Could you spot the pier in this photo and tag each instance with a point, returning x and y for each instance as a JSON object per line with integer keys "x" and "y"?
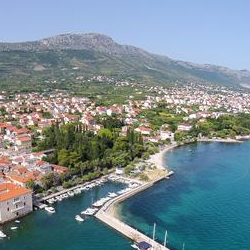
{"x": 106, "y": 215}
{"x": 43, "y": 199}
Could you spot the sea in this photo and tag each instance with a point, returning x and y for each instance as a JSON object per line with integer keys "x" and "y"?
{"x": 205, "y": 205}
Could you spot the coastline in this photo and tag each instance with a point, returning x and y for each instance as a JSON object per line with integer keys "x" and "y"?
{"x": 228, "y": 140}
{"x": 157, "y": 159}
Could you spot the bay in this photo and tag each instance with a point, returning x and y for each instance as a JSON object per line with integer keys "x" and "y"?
{"x": 205, "y": 204}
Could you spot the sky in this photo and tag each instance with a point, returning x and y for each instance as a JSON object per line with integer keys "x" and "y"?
{"x": 200, "y": 31}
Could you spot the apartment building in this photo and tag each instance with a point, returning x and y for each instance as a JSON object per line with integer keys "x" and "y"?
{"x": 15, "y": 201}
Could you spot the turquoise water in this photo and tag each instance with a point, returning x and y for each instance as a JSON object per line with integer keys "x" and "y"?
{"x": 41, "y": 230}
{"x": 206, "y": 204}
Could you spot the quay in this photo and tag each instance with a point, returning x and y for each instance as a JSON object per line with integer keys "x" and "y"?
{"x": 45, "y": 198}
{"x": 106, "y": 215}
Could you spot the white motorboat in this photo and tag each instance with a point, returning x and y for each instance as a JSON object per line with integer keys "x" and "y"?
{"x": 77, "y": 191}
{"x": 51, "y": 201}
{"x": 89, "y": 211}
{"x": 101, "y": 202}
{"x": 59, "y": 198}
{"x": 2, "y": 235}
{"x": 14, "y": 228}
{"x": 50, "y": 209}
{"x": 17, "y": 221}
{"x": 112, "y": 195}
{"x": 70, "y": 193}
{"x": 134, "y": 246}
{"x": 79, "y": 218}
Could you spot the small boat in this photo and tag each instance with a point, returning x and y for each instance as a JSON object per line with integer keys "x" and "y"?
{"x": 70, "y": 193}
{"x": 17, "y": 221}
{"x": 79, "y": 218}
{"x": 2, "y": 235}
{"x": 50, "y": 209}
{"x": 89, "y": 211}
{"x": 112, "y": 195}
{"x": 14, "y": 228}
{"x": 134, "y": 246}
{"x": 77, "y": 191}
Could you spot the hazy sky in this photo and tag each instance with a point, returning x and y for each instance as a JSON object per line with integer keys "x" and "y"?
{"x": 202, "y": 31}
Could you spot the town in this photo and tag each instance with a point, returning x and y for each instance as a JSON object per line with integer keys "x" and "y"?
{"x": 163, "y": 116}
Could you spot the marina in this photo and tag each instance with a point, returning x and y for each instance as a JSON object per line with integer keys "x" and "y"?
{"x": 101, "y": 205}
{"x": 141, "y": 240}
{"x": 59, "y": 196}
{"x": 62, "y": 228}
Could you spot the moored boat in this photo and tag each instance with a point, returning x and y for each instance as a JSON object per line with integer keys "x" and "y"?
{"x": 89, "y": 211}
{"x": 79, "y": 218}
{"x": 2, "y": 235}
{"x": 50, "y": 209}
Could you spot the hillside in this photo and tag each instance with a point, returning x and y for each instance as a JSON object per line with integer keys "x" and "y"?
{"x": 68, "y": 56}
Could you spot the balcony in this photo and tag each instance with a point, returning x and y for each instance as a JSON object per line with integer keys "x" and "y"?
{"x": 16, "y": 209}
{"x": 17, "y": 201}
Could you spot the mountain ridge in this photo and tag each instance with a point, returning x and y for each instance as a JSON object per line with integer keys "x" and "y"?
{"x": 138, "y": 63}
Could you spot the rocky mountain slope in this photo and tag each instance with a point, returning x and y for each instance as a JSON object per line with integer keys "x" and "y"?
{"x": 93, "y": 54}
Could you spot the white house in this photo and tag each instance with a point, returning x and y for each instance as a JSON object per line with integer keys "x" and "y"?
{"x": 166, "y": 134}
{"x": 184, "y": 127}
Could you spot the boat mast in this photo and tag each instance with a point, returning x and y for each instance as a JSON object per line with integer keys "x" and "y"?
{"x": 165, "y": 238}
{"x": 154, "y": 232}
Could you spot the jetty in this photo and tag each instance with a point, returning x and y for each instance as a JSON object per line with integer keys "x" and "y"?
{"x": 45, "y": 198}
{"x": 106, "y": 215}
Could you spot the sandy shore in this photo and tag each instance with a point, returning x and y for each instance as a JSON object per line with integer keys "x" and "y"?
{"x": 157, "y": 159}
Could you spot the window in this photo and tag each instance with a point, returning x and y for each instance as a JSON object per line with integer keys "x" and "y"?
{"x": 8, "y": 209}
{"x": 24, "y": 203}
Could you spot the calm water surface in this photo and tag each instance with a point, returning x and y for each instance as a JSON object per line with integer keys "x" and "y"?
{"x": 206, "y": 204}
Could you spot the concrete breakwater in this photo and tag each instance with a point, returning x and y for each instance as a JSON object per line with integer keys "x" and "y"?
{"x": 106, "y": 215}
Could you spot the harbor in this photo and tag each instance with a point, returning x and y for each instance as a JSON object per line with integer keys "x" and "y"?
{"x": 103, "y": 208}
{"x": 105, "y": 214}
{"x": 46, "y": 202}
{"x": 42, "y": 228}
{"x": 100, "y": 206}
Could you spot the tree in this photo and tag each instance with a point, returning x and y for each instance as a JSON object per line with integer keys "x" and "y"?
{"x": 30, "y": 184}
{"x": 63, "y": 157}
{"x": 105, "y": 133}
{"x": 47, "y": 181}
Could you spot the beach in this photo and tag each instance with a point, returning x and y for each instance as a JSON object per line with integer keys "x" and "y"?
{"x": 157, "y": 159}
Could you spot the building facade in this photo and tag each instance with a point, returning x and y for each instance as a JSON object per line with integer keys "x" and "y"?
{"x": 15, "y": 202}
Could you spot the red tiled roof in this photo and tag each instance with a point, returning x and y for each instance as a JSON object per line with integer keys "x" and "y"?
{"x": 10, "y": 190}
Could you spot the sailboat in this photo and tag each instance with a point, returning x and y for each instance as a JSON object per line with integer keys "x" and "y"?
{"x": 165, "y": 238}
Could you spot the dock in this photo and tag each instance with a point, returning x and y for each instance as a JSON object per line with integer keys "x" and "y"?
{"x": 43, "y": 199}
{"x": 106, "y": 215}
